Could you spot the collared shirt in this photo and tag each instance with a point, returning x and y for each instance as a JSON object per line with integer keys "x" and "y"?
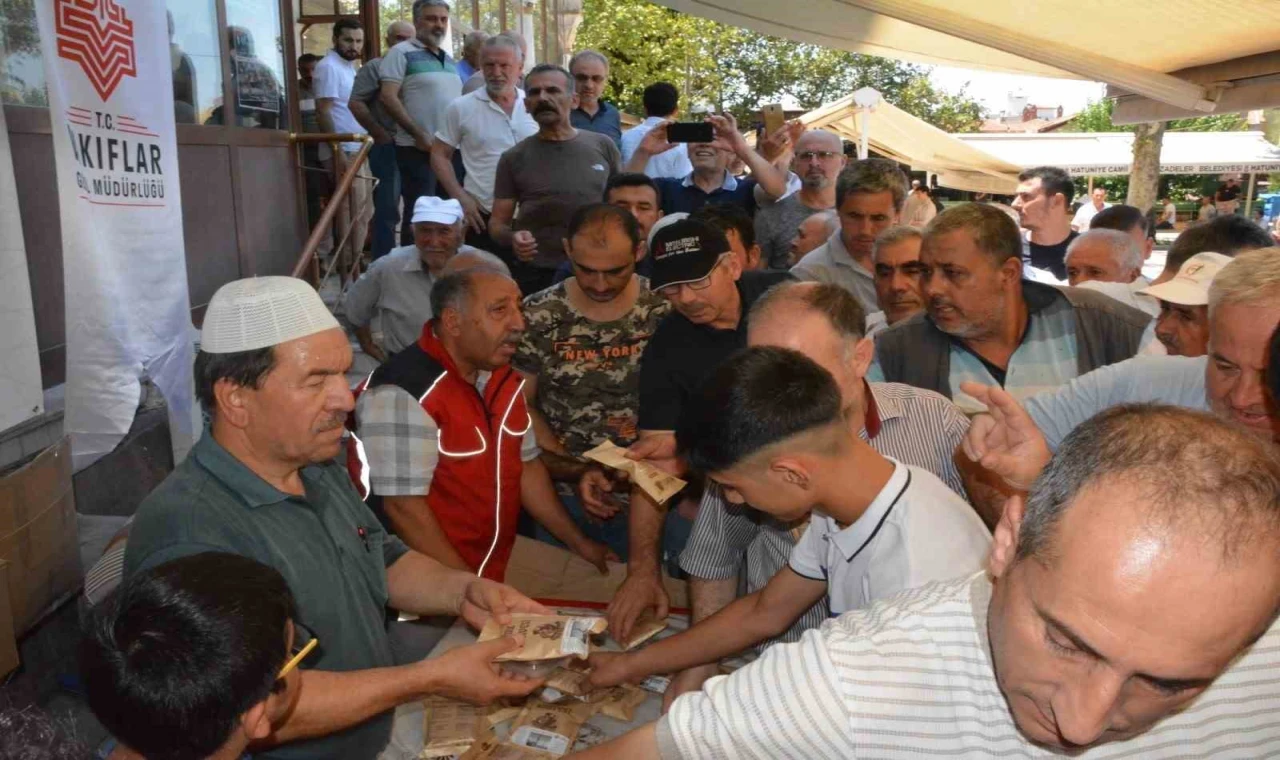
{"x": 682, "y": 195}
{"x": 333, "y": 79}
{"x": 912, "y": 677}
{"x": 607, "y": 122}
{"x": 428, "y": 84}
{"x": 914, "y": 532}
{"x": 328, "y": 546}
{"x": 397, "y": 289}
{"x": 367, "y": 86}
{"x": 914, "y": 426}
{"x": 479, "y": 128}
{"x": 673, "y": 162}
{"x": 1175, "y": 380}
{"x": 831, "y": 262}
{"x": 1127, "y": 293}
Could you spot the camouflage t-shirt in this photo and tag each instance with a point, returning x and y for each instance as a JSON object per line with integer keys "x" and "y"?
{"x": 588, "y": 372}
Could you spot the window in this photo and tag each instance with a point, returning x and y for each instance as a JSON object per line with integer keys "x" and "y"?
{"x": 256, "y": 46}
{"x": 195, "y": 58}
{"x": 21, "y": 71}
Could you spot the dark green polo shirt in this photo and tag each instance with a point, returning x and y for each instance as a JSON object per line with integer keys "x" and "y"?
{"x": 212, "y": 502}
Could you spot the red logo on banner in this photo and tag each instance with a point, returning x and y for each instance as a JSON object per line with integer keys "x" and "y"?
{"x": 97, "y": 35}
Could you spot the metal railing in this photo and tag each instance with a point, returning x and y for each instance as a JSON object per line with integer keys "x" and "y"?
{"x": 307, "y": 259}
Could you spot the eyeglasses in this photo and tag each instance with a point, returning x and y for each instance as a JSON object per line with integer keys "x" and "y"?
{"x": 304, "y": 642}
{"x": 816, "y": 155}
{"x": 671, "y": 291}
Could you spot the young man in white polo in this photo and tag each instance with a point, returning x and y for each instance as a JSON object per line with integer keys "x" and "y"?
{"x": 769, "y": 429}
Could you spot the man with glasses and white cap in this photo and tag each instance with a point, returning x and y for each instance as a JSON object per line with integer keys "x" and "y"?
{"x": 396, "y": 289}
{"x": 695, "y": 269}
{"x": 1183, "y": 324}
{"x": 261, "y": 482}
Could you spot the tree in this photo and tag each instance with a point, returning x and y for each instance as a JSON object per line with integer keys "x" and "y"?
{"x": 731, "y": 69}
{"x": 1144, "y": 174}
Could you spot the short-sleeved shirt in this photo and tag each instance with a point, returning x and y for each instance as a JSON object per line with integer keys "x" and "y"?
{"x": 397, "y": 289}
{"x": 1051, "y": 258}
{"x": 832, "y": 263}
{"x": 915, "y": 531}
{"x": 365, "y": 90}
{"x": 776, "y": 226}
{"x": 1085, "y": 214}
{"x": 682, "y": 355}
{"x": 327, "y": 544}
{"x": 478, "y": 128}
{"x": 428, "y": 84}
{"x": 333, "y": 79}
{"x": 912, "y": 425}
{"x": 588, "y": 372}
{"x": 401, "y": 441}
{"x": 1175, "y": 380}
{"x": 683, "y": 196}
{"x": 607, "y": 121}
{"x": 551, "y": 179}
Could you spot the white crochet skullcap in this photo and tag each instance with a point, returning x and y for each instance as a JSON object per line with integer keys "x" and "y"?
{"x": 257, "y": 312}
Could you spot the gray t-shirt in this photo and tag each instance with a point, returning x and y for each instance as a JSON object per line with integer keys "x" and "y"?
{"x": 367, "y": 85}
{"x": 776, "y": 225}
{"x": 428, "y": 84}
{"x": 551, "y": 179}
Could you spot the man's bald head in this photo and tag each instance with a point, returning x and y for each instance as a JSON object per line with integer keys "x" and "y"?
{"x": 399, "y": 31}
{"x": 818, "y": 160}
{"x": 819, "y": 139}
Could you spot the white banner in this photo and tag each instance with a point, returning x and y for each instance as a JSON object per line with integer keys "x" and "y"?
{"x": 110, "y": 88}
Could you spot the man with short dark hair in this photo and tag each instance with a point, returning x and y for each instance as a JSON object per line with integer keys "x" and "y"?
{"x": 580, "y": 359}
{"x": 590, "y": 71}
{"x": 419, "y": 80}
{"x": 1129, "y": 220}
{"x": 1228, "y": 235}
{"x": 368, "y": 110}
{"x": 1227, "y": 198}
{"x": 333, "y": 80}
{"x": 817, "y": 160}
{"x": 769, "y": 428}
{"x": 443, "y": 436}
{"x": 194, "y": 658}
{"x": 1043, "y": 203}
{"x": 869, "y": 197}
{"x": 1081, "y": 638}
{"x": 695, "y": 269}
{"x": 811, "y": 233}
{"x": 1168, "y": 214}
{"x": 261, "y": 482}
{"x": 482, "y": 125}
{"x": 547, "y": 177}
{"x": 661, "y": 102}
{"x": 638, "y": 194}
{"x": 987, "y": 324}
{"x": 738, "y": 229}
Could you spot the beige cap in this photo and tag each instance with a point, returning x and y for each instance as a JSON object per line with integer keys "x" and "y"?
{"x": 245, "y": 315}
{"x": 1190, "y": 287}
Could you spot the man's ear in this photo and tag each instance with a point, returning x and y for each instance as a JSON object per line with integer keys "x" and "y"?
{"x": 255, "y": 722}
{"x": 642, "y": 250}
{"x": 1004, "y": 543}
{"x": 232, "y": 401}
{"x": 864, "y": 352}
{"x": 1011, "y": 269}
{"x": 792, "y": 471}
{"x": 753, "y": 256}
{"x": 451, "y": 321}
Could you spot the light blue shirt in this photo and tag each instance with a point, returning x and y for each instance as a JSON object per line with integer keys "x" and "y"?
{"x": 1175, "y": 380}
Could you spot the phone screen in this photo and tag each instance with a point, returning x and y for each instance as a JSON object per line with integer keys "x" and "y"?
{"x": 690, "y": 132}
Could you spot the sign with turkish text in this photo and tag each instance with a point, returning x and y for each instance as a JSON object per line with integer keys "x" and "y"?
{"x": 108, "y": 73}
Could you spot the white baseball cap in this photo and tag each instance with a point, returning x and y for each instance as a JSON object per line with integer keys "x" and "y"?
{"x": 245, "y": 315}
{"x": 439, "y": 210}
{"x": 1190, "y": 287}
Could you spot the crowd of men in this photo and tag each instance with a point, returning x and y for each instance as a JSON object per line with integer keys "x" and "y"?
{"x": 966, "y": 481}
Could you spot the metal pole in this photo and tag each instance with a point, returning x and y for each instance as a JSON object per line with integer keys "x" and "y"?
{"x": 339, "y": 194}
{"x": 865, "y": 113}
{"x": 1248, "y": 203}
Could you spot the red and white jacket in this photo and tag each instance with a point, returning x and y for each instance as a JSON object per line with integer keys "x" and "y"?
{"x": 475, "y": 489}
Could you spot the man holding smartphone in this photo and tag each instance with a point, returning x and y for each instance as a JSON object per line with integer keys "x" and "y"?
{"x": 817, "y": 159}
{"x": 710, "y": 152}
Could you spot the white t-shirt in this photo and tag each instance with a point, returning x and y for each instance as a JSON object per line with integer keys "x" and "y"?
{"x": 1127, "y": 293}
{"x": 916, "y": 531}
{"x": 1085, "y": 215}
{"x": 333, "y": 78}
{"x": 673, "y": 163}
{"x": 482, "y": 131}
{"x": 1170, "y": 213}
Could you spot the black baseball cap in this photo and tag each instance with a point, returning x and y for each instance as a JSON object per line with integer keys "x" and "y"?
{"x": 685, "y": 251}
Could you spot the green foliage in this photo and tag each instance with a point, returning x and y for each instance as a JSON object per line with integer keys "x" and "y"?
{"x": 732, "y": 69}
{"x": 1096, "y": 117}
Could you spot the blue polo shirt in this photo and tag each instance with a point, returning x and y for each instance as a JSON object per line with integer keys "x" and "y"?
{"x": 607, "y": 122}
{"x": 327, "y": 544}
{"x": 682, "y": 195}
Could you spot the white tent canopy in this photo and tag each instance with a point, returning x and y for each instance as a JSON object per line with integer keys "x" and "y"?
{"x": 1182, "y": 53}
{"x": 897, "y": 134}
{"x": 1111, "y": 153}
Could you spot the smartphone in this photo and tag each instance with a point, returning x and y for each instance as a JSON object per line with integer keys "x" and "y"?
{"x": 774, "y": 118}
{"x": 690, "y": 132}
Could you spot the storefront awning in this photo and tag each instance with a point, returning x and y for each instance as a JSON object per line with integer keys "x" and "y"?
{"x": 1189, "y": 55}
{"x": 1111, "y": 153}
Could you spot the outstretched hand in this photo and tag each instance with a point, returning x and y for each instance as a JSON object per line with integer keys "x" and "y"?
{"x": 1005, "y": 440}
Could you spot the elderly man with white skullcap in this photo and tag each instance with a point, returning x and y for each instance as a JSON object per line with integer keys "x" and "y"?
{"x": 262, "y": 482}
{"x": 397, "y": 287}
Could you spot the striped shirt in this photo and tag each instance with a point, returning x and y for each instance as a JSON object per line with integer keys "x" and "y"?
{"x": 914, "y": 426}
{"x": 911, "y": 677}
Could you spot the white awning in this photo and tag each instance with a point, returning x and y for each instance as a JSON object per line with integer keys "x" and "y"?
{"x": 1111, "y": 153}
{"x": 1161, "y": 50}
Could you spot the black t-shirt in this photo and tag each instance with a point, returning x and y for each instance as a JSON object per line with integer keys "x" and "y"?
{"x": 1052, "y": 257}
{"x": 681, "y": 355}
{"x": 1228, "y": 192}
